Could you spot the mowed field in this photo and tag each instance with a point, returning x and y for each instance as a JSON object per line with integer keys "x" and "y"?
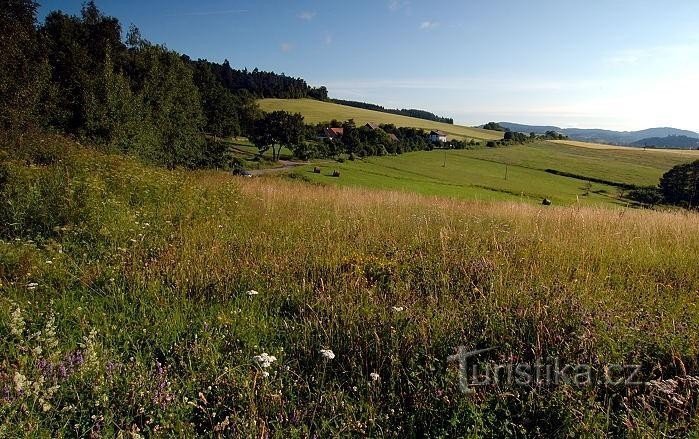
{"x": 317, "y": 111}
{"x": 688, "y": 153}
{"x": 521, "y": 172}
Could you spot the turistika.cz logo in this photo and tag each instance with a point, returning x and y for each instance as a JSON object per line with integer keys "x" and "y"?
{"x": 552, "y": 372}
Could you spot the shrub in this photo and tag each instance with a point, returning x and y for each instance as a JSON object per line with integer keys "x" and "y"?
{"x": 680, "y": 185}
{"x": 646, "y": 195}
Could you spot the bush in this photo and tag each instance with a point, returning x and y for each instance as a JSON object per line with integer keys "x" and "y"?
{"x": 646, "y": 195}
{"x": 680, "y": 185}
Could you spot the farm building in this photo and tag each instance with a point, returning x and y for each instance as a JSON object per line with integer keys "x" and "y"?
{"x": 372, "y": 126}
{"x": 334, "y": 133}
{"x": 438, "y": 136}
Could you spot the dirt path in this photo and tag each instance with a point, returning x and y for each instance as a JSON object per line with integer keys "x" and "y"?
{"x": 286, "y": 165}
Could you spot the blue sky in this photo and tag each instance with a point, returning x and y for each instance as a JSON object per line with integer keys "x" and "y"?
{"x": 617, "y": 64}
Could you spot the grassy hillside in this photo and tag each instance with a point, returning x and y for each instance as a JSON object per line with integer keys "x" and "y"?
{"x": 317, "y": 111}
{"x": 480, "y": 174}
{"x": 126, "y": 307}
{"x": 692, "y": 154}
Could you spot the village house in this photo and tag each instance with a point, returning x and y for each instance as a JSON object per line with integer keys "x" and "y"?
{"x": 372, "y": 126}
{"x": 334, "y": 133}
{"x": 438, "y": 136}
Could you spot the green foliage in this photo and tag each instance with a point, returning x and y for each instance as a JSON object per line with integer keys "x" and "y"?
{"x": 493, "y": 126}
{"x": 649, "y": 196}
{"x": 23, "y": 71}
{"x": 219, "y": 104}
{"x": 77, "y": 49}
{"x": 553, "y": 135}
{"x": 277, "y": 130}
{"x": 174, "y": 105}
{"x": 680, "y": 185}
{"x": 515, "y": 137}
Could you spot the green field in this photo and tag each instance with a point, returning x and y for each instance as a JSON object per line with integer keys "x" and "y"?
{"x": 317, "y": 111}
{"x": 479, "y": 174}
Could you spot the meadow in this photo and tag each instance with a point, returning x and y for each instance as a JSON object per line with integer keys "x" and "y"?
{"x": 518, "y": 172}
{"x": 317, "y": 111}
{"x": 136, "y": 300}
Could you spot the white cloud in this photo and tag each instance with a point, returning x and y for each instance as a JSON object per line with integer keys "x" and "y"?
{"x": 286, "y": 47}
{"x": 656, "y": 55}
{"x": 426, "y": 25}
{"x": 397, "y": 5}
{"x": 467, "y": 84}
{"x": 207, "y": 13}
{"x": 307, "y": 15}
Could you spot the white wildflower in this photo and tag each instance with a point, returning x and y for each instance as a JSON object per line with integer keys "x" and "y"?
{"x": 264, "y": 360}
{"x": 17, "y": 324}
{"x": 265, "y": 373}
{"x": 328, "y": 354}
{"x": 21, "y": 382}
{"x": 48, "y": 338}
{"x": 374, "y": 376}
{"x": 32, "y": 286}
{"x": 252, "y": 293}
{"x": 398, "y": 308}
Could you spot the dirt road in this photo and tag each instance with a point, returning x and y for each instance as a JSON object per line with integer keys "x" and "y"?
{"x": 286, "y": 165}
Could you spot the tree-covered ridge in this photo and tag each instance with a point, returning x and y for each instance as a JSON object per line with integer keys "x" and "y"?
{"x": 260, "y": 83}
{"x": 410, "y": 112}
{"x": 673, "y": 141}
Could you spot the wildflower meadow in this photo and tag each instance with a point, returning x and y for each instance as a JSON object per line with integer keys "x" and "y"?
{"x": 138, "y": 301}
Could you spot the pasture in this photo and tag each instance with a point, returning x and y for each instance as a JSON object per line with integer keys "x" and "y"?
{"x": 519, "y": 172}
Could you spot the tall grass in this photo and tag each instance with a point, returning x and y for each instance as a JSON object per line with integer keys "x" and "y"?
{"x": 125, "y": 306}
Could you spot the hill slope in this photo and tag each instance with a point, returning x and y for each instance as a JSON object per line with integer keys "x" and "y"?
{"x": 318, "y": 111}
{"x": 681, "y": 142}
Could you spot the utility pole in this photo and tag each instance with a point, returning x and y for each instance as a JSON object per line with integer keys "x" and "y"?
{"x": 444, "y": 165}
{"x": 505, "y": 171}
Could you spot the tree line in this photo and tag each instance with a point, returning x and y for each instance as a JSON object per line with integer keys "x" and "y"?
{"x": 76, "y": 75}
{"x": 410, "y": 112}
{"x": 679, "y": 187}
{"x": 280, "y": 129}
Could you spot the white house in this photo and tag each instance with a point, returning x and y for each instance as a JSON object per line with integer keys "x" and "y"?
{"x": 438, "y": 136}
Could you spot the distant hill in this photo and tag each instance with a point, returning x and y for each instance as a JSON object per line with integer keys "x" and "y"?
{"x": 603, "y": 136}
{"x": 681, "y": 142}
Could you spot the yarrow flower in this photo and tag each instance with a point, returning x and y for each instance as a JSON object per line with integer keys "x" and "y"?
{"x": 398, "y": 308}
{"x": 32, "y": 286}
{"x": 252, "y": 293}
{"x": 374, "y": 376}
{"x": 264, "y": 360}
{"x": 328, "y": 354}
